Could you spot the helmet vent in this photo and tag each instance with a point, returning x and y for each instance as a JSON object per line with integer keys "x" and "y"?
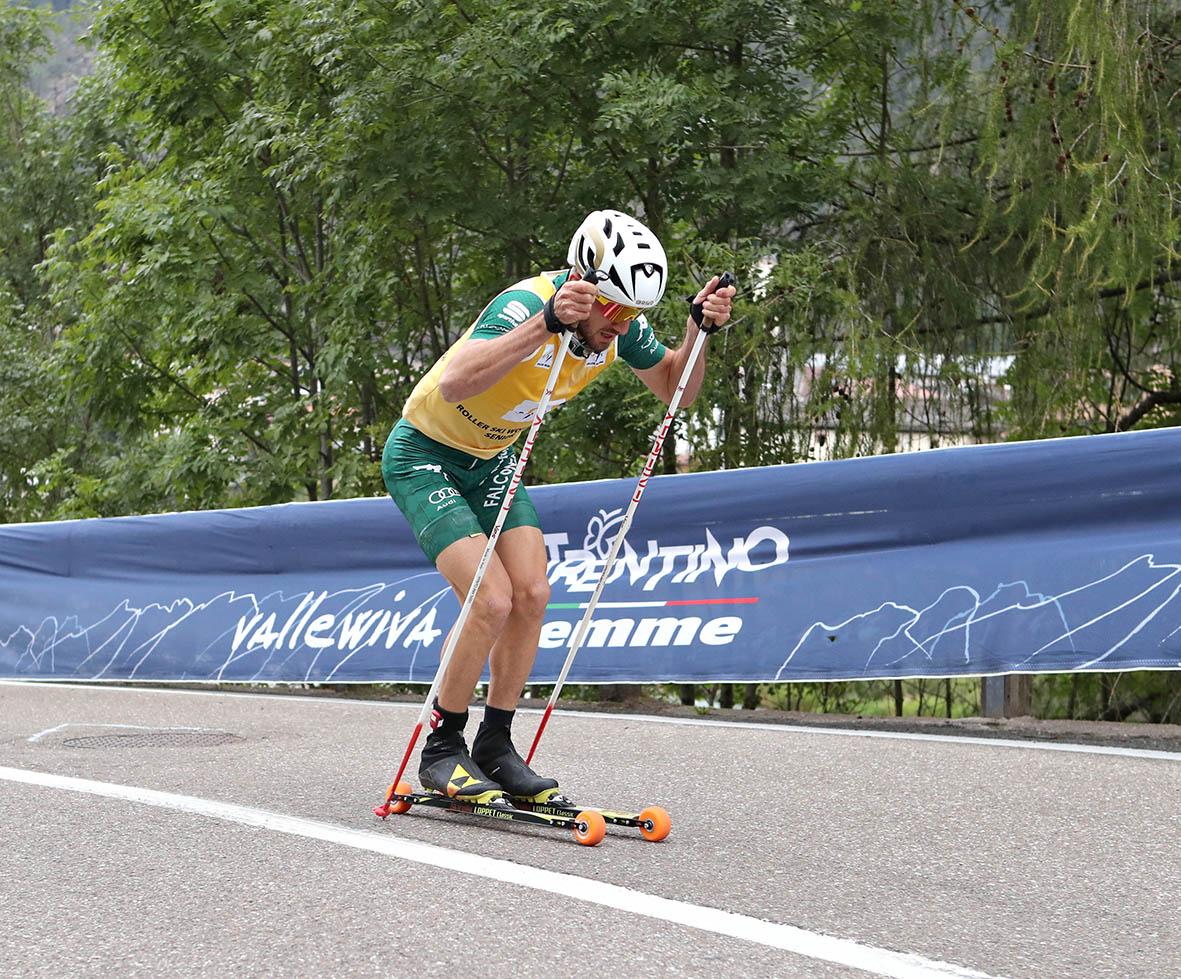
{"x": 647, "y": 270}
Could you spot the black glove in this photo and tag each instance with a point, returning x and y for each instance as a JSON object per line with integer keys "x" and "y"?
{"x": 697, "y": 310}
{"x": 552, "y": 323}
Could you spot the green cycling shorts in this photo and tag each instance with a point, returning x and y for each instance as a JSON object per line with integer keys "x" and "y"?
{"x": 446, "y": 494}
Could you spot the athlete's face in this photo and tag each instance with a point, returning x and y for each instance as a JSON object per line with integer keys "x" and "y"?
{"x": 596, "y": 331}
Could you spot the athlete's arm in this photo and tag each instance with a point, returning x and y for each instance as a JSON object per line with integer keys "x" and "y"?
{"x": 663, "y": 378}
{"x": 477, "y": 364}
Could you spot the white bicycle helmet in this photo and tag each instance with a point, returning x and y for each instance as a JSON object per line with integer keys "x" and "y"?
{"x": 627, "y": 253}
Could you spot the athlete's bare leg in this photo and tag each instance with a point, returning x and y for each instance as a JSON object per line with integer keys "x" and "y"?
{"x": 485, "y": 623}
{"x": 522, "y": 555}
{"x": 505, "y": 622}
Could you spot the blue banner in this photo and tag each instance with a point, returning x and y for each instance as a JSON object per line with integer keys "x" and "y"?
{"x": 1047, "y": 556}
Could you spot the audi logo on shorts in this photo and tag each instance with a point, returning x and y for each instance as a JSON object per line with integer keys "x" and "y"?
{"x": 442, "y": 495}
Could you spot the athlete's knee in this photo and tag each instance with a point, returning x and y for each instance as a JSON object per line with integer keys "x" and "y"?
{"x": 530, "y": 597}
{"x": 493, "y": 606}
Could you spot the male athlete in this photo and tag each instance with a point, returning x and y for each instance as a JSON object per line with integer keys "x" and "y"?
{"x": 449, "y": 459}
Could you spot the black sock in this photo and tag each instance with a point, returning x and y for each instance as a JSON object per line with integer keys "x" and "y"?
{"x": 495, "y": 718}
{"x": 447, "y": 721}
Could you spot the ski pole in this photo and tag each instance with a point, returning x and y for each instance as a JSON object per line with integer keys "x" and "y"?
{"x": 657, "y": 444}
{"x": 486, "y": 557}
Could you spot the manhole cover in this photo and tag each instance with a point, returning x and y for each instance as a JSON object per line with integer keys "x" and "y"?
{"x": 155, "y": 739}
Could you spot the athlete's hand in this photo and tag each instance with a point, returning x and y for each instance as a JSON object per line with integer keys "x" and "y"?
{"x": 714, "y": 304}
{"x": 575, "y": 300}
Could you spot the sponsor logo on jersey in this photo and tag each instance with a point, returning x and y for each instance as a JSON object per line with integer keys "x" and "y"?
{"x": 490, "y": 431}
{"x": 514, "y": 312}
{"x": 524, "y": 411}
{"x": 546, "y": 359}
{"x": 443, "y": 497}
{"x": 648, "y": 342}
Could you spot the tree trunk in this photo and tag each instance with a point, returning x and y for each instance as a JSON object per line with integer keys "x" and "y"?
{"x": 617, "y": 693}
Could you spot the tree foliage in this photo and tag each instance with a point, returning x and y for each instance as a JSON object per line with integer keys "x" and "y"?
{"x": 1013, "y": 203}
{"x": 261, "y": 220}
{"x": 45, "y": 183}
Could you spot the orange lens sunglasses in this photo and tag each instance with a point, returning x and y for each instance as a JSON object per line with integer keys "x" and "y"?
{"x": 617, "y": 312}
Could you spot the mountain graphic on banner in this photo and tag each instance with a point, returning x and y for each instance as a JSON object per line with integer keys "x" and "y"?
{"x": 274, "y": 636}
{"x": 1139, "y": 602}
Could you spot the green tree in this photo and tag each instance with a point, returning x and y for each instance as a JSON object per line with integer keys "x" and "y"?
{"x": 1009, "y": 207}
{"x": 308, "y": 202}
{"x": 233, "y": 300}
{"x": 1080, "y": 149}
{"x": 696, "y": 116}
{"x": 45, "y": 185}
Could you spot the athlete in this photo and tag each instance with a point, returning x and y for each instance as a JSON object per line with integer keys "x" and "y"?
{"x": 449, "y": 459}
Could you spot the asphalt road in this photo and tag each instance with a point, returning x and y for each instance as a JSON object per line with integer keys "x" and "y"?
{"x": 974, "y": 859}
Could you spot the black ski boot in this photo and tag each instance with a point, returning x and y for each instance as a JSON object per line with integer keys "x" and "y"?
{"x": 497, "y": 756}
{"x": 447, "y": 768}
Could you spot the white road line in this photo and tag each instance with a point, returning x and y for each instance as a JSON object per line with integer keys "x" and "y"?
{"x": 842, "y": 951}
{"x": 981, "y": 741}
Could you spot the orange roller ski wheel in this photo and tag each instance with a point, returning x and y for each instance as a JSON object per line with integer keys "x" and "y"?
{"x": 654, "y": 824}
{"x": 402, "y": 788}
{"x": 589, "y": 827}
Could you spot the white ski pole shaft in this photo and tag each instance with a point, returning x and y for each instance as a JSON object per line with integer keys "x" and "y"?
{"x": 510, "y": 492}
{"x": 653, "y": 456}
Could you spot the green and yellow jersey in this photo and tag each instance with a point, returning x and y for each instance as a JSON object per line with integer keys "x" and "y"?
{"x": 487, "y": 422}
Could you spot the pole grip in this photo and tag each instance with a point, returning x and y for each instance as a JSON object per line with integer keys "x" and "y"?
{"x": 695, "y": 309}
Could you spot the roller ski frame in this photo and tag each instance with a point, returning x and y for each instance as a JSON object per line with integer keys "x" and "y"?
{"x": 653, "y": 823}
{"x": 589, "y": 825}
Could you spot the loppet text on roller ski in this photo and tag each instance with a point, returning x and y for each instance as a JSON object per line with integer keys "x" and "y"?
{"x": 451, "y": 467}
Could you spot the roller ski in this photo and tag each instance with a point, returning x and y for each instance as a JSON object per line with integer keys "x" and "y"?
{"x": 589, "y": 827}
{"x": 453, "y": 781}
{"x": 501, "y": 786}
{"x": 494, "y": 752}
